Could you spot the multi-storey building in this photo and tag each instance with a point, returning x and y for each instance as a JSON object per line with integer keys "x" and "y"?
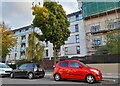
{"x": 74, "y": 46}
{"x": 19, "y": 51}
{"x": 76, "y": 43}
{"x": 99, "y": 19}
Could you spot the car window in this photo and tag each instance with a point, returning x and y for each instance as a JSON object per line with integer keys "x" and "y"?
{"x": 23, "y": 66}
{"x": 4, "y": 66}
{"x": 63, "y": 64}
{"x": 74, "y": 65}
{"x": 30, "y": 66}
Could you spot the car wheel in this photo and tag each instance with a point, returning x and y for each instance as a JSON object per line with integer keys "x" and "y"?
{"x": 57, "y": 77}
{"x": 11, "y": 75}
{"x": 30, "y": 75}
{"x": 90, "y": 79}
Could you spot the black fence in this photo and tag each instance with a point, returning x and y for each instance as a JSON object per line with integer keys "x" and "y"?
{"x": 99, "y": 59}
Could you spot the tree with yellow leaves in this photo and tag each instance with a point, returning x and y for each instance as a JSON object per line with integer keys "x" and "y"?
{"x": 7, "y": 41}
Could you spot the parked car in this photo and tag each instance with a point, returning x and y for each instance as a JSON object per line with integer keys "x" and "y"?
{"x": 5, "y": 69}
{"x": 76, "y": 70}
{"x": 30, "y": 70}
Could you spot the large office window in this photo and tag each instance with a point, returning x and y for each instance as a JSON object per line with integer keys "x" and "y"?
{"x": 76, "y": 28}
{"x": 78, "y": 49}
{"x": 77, "y": 38}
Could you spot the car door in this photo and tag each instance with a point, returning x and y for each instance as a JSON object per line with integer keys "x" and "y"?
{"x": 63, "y": 69}
{"x": 21, "y": 71}
{"x": 75, "y": 70}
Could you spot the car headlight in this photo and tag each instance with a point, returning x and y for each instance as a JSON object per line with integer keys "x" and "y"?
{"x": 97, "y": 72}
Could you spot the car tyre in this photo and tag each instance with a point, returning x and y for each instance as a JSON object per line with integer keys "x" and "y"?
{"x": 57, "y": 77}
{"x": 90, "y": 79}
{"x": 11, "y": 75}
{"x": 30, "y": 76}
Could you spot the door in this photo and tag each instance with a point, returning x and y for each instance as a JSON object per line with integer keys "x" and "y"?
{"x": 75, "y": 71}
{"x": 21, "y": 71}
{"x": 63, "y": 69}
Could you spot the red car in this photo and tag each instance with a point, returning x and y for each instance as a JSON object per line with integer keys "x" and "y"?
{"x": 76, "y": 70}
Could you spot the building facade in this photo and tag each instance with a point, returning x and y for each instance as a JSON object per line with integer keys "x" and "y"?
{"x": 19, "y": 51}
{"x": 74, "y": 46}
{"x": 99, "y": 19}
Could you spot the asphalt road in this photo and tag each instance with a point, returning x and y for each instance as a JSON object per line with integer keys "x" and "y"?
{"x": 49, "y": 80}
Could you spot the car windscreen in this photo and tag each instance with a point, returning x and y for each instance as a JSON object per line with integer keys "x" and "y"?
{"x": 4, "y": 66}
{"x": 84, "y": 64}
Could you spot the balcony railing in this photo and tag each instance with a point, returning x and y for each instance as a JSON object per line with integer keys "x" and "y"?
{"x": 22, "y": 49}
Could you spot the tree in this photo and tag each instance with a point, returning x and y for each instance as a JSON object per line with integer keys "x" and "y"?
{"x": 112, "y": 45}
{"x": 35, "y": 49}
{"x": 51, "y": 19}
{"x": 113, "y": 42}
{"x": 7, "y": 42}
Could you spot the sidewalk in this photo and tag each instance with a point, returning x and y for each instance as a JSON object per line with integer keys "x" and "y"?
{"x": 105, "y": 75}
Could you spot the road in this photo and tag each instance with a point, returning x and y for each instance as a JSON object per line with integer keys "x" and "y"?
{"x": 49, "y": 80}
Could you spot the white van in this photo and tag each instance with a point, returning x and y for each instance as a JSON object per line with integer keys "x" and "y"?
{"x": 5, "y": 69}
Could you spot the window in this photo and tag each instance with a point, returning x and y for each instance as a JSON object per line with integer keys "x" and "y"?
{"x": 78, "y": 49}
{"x": 15, "y": 54}
{"x": 66, "y": 50}
{"x": 63, "y": 64}
{"x": 96, "y": 41}
{"x": 74, "y": 65}
{"x": 95, "y": 28}
{"x": 23, "y": 66}
{"x": 77, "y": 17}
{"x": 76, "y": 28}
{"x": 2, "y": 65}
{"x": 77, "y": 38}
{"x": 46, "y": 52}
{"x": 47, "y": 44}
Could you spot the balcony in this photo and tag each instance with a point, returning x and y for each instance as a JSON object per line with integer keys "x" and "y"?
{"x": 23, "y": 33}
{"x": 22, "y": 49}
{"x": 23, "y": 41}
{"x": 22, "y": 56}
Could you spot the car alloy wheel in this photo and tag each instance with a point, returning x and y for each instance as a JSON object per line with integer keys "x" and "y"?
{"x": 11, "y": 75}
{"x": 30, "y": 75}
{"x": 90, "y": 79}
{"x": 57, "y": 77}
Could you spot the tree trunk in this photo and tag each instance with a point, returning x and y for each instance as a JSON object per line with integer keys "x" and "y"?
{"x": 55, "y": 55}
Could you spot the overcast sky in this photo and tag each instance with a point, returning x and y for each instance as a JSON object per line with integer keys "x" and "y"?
{"x": 19, "y": 14}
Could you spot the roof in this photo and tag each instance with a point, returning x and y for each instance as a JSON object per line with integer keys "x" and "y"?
{"x": 25, "y": 27}
{"x": 74, "y": 13}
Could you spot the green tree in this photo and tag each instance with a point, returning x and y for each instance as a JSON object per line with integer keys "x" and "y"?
{"x": 113, "y": 42}
{"x": 35, "y": 49}
{"x": 53, "y": 22}
{"x": 7, "y": 42}
{"x": 112, "y": 45}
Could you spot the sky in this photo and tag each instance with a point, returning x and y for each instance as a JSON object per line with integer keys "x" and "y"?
{"x": 19, "y": 14}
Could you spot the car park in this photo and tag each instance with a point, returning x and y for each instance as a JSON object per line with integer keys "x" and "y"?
{"x": 76, "y": 70}
{"x": 4, "y": 69}
{"x": 29, "y": 70}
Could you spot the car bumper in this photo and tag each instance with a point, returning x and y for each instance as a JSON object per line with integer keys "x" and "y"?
{"x": 39, "y": 74}
{"x": 4, "y": 75}
{"x": 98, "y": 77}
